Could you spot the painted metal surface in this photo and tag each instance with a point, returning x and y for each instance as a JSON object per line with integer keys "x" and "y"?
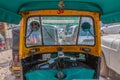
{"x": 95, "y": 50}
{"x": 111, "y": 51}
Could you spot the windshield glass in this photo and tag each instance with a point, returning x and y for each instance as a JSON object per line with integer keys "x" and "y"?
{"x": 86, "y": 35}
{"x": 52, "y": 30}
{"x": 59, "y": 30}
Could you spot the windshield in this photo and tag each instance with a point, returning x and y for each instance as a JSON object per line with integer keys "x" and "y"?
{"x": 52, "y": 30}
{"x": 86, "y": 37}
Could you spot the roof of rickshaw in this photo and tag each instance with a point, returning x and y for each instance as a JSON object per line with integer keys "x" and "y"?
{"x": 109, "y": 9}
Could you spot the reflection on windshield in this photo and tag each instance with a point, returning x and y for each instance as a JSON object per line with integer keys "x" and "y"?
{"x": 59, "y": 31}
{"x": 49, "y": 35}
{"x": 33, "y": 36}
{"x": 86, "y": 37}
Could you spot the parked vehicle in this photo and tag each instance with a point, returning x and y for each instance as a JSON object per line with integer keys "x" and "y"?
{"x": 111, "y": 50}
{"x": 15, "y": 47}
{"x": 112, "y": 29}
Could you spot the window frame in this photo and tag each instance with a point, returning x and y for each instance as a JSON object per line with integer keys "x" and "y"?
{"x": 76, "y": 44}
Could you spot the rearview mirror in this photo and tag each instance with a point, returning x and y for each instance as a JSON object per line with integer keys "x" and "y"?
{"x": 86, "y": 26}
{"x": 34, "y": 25}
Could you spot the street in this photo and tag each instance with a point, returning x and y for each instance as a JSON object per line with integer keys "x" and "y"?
{"x": 5, "y": 59}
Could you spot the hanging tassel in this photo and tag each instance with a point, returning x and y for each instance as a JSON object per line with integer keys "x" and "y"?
{"x": 61, "y": 6}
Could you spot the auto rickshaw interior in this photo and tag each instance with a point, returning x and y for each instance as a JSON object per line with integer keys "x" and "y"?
{"x": 61, "y": 46}
{"x": 64, "y": 38}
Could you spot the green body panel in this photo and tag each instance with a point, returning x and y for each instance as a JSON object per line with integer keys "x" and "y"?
{"x": 73, "y": 73}
{"x": 6, "y": 16}
{"x": 109, "y": 9}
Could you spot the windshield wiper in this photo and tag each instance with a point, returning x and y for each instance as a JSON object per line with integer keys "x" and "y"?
{"x": 29, "y": 34}
{"x": 50, "y": 35}
{"x": 92, "y": 34}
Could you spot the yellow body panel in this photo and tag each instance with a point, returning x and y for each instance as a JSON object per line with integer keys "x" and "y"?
{"x": 16, "y": 68}
{"x": 95, "y": 50}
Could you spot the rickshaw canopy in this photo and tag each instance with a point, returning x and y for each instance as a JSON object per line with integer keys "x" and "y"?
{"x": 10, "y": 9}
